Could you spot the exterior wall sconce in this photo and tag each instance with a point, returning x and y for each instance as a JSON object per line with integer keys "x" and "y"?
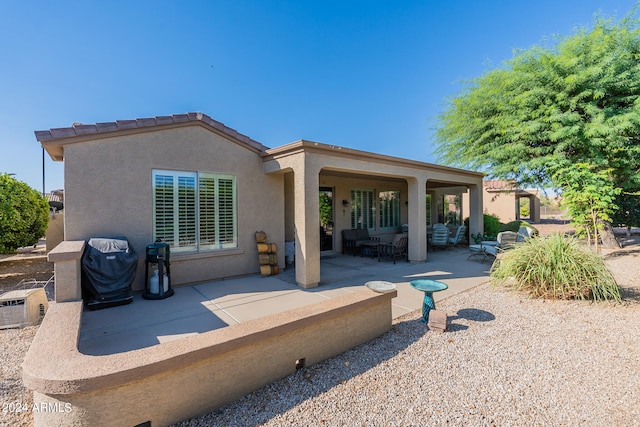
{"x": 345, "y": 202}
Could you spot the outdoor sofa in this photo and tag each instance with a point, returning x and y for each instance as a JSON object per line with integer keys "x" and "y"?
{"x": 354, "y": 238}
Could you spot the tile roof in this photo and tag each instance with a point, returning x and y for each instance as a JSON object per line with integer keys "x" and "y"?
{"x": 497, "y": 184}
{"x": 78, "y": 129}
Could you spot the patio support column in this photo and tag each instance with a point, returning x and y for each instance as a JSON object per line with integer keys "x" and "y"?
{"x": 476, "y": 220}
{"x": 534, "y": 209}
{"x": 307, "y": 223}
{"x": 417, "y": 188}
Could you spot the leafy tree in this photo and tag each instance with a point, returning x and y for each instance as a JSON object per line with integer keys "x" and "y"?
{"x": 525, "y": 209}
{"x": 326, "y": 210}
{"x": 24, "y": 214}
{"x": 589, "y": 197}
{"x": 550, "y": 108}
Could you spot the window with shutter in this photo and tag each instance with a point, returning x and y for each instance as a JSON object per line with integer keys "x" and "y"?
{"x": 362, "y": 209}
{"x": 389, "y": 209}
{"x": 194, "y": 211}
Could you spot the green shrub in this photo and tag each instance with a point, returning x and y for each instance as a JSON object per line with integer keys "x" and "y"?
{"x": 491, "y": 228}
{"x": 557, "y": 267}
{"x": 491, "y": 225}
{"x": 24, "y": 214}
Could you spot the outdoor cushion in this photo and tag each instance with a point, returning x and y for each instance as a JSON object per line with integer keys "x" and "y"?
{"x": 350, "y": 234}
{"x": 363, "y": 234}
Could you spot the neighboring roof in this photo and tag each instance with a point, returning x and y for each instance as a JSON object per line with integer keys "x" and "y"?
{"x": 49, "y": 138}
{"x": 499, "y": 185}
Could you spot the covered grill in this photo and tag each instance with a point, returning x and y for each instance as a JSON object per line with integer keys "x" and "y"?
{"x": 108, "y": 270}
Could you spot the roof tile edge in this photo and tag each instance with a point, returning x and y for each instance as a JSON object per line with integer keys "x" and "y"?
{"x": 140, "y": 123}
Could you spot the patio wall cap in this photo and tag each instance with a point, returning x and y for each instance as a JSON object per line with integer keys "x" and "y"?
{"x": 67, "y": 250}
{"x": 53, "y": 364}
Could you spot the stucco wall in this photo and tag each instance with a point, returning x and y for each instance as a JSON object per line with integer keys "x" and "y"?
{"x": 55, "y": 230}
{"x": 108, "y": 193}
{"x": 501, "y": 204}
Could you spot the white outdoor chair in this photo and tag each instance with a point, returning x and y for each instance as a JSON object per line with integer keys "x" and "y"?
{"x": 506, "y": 240}
{"x": 440, "y": 235}
{"x": 459, "y": 236}
{"x": 525, "y": 233}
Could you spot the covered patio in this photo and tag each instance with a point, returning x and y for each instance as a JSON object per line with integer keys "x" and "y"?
{"x": 308, "y": 166}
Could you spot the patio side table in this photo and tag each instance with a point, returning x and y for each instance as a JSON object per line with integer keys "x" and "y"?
{"x": 369, "y": 248}
{"x": 428, "y": 287}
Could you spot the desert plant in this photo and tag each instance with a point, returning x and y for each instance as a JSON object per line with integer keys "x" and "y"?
{"x": 556, "y": 266}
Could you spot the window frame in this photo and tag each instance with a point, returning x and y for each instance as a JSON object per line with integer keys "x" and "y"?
{"x": 390, "y": 213}
{"x": 358, "y": 208}
{"x": 200, "y": 221}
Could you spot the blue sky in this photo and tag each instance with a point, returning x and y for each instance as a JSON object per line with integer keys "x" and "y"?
{"x": 370, "y": 75}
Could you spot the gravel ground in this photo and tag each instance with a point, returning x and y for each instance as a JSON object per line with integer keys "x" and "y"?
{"x": 504, "y": 360}
{"x": 15, "y": 399}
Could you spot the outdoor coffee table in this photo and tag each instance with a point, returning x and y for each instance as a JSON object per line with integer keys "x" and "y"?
{"x": 428, "y": 287}
{"x": 369, "y": 248}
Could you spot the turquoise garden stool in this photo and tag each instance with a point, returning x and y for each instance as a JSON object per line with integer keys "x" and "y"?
{"x": 428, "y": 287}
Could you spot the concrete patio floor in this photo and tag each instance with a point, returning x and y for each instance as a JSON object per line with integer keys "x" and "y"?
{"x": 217, "y": 304}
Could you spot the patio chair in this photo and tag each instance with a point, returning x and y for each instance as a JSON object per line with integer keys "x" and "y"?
{"x": 459, "y": 236}
{"x": 525, "y": 233}
{"x": 506, "y": 240}
{"x": 440, "y": 235}
{"x": 396, "y": 249}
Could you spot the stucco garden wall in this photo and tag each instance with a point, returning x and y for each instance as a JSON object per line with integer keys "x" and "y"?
{"x": 185, "y": 378}
{"x": 55, "y": 230}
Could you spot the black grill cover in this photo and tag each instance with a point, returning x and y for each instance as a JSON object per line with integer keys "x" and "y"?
{"x": 108, "y": 269}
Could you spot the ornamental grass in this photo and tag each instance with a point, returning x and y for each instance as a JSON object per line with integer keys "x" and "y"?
{"x": 556, "y": 267}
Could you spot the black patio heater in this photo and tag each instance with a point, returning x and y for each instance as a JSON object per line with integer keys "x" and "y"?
{"x": 158, "y": 285}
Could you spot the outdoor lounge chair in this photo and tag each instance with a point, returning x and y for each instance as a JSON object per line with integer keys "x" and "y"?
{"x": 525, "y": 233}
{"x": 440, "y": 235}
{"x": 506, "y": 240}
{"x": 396, "y": 249}
{"x": 459, "y": 236}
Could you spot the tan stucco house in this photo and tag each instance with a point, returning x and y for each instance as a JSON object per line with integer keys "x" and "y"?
{"x": 206, "y": 189}
{"x": 504, "y": 198}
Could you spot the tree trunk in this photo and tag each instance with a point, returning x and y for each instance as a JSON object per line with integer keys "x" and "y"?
{"x": 609, "y": 240}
